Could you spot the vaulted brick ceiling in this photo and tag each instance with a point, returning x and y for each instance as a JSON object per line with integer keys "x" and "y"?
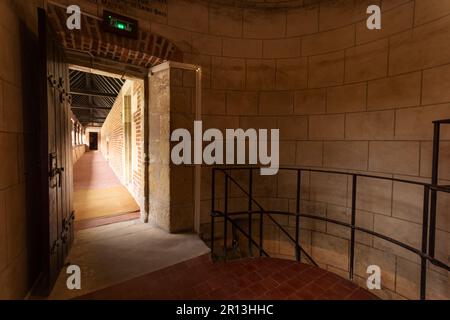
{"x": 147, "y": 50}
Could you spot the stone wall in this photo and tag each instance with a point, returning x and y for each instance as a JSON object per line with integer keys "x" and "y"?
{"x": 344, "y": 98}
{"x": 19, "y": 141}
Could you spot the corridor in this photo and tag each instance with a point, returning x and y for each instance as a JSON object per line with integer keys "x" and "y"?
{"x": 99, "y": 196}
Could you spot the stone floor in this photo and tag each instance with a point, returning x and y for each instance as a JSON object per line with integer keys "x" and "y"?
{"x": 259, "y": 278}
{"x": 115, "y": 253}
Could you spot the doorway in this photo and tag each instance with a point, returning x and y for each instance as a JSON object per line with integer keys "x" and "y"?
{"x": 128, "y": 160}
{"x": 106, "y": 184}
{"x": 93, "y": 141}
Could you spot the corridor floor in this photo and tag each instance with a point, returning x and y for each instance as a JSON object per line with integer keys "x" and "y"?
{"x": 259, "y": 278}
{"x": 98, "y": 193}
{"x": 115, "y": 253}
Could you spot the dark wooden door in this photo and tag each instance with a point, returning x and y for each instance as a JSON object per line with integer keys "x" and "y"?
{"x": 93, "y": 140}
{"x": 56, "y": 154}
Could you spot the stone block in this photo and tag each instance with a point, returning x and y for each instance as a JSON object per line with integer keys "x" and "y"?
{"x": 408, "y": 282}
{"x": 189, "y": 16}
{"x": 346, "y": 154}
{"x": 13, "y": 108}
{"x": 407, "y": 232}
{"x": 426, "y": 156}
{"x": 292, "y": 74}
{"x": 395, "y": 92}
{"x": 258, "y": 122}
{"x": 2, "y": 120}
{"x": 328, "y": 187}
{"x": 330, "y": 250}
{"x": 416, "y": 123}
{"x": 301, "y": 21}
{"x": 287, "y": 185}
{"x": 311, "y": 101}
{"x": 276, "y": 103}
{"x": 287, "y": 247}
{"x": 394, "y": 157}
{"x": 15, "y": 203}
{"x": 225, "y": 21}
{"x": 228, "y": 73}
{"x": 213, "y": 102}
{"x": 309, "y": 153}
{"x": 425, "y": 46}
{"x": 271, "y": 241}
{"x": 348, "y": 98}
{"x": 367, "y": 62}
{"x": 435, "y": 85}
{"x": 261, "y": 74}
{"x": 343, "y": 214}
{"x": 264, "y": 24}
{"x": 287, "y": 153}
{"x": 373, "y": 195}
{"x": 282, "y": 48}
{"x": 242, "y": 103}
{"x": 3, "y": 234}
{"x": 429, "y": 10}
{"x": 370, "y": 125}
{"x": 407, "y": 202}
{"x": 326, "y": 70}
{"x": 181, "y": 100}
{"x": 326, "y": 127}
{"x": 242, "y": 48}
{"x": 324, "y": 42}
{"x": 206, "y": 44}
{"x": 293, "y": 127}
{"x": 9, "y": 171}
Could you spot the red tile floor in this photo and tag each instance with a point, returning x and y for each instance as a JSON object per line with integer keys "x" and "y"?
{"x": 259, "y": 278}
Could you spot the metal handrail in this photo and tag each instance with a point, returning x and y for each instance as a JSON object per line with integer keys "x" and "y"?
{"x": 428, "y": 229}
{"x": 286, "y": 233}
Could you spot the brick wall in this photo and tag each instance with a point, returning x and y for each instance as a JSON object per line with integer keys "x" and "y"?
{"x": 112, "y": 137}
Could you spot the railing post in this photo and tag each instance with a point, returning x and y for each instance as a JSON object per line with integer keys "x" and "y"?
{"x": 297, "y": 217}
{"x": 434, "y": 182}
{"x": 352, "y": 236}
{"x": 250, "y": 208}
{"x": 423, "y": 264}
{"x": 261, "y": 227}
{"x": 213, "y": 200}
{"x": 225, "y": 218}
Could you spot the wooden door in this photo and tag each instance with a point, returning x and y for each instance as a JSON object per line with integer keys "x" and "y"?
{"x": 56, "y": 154}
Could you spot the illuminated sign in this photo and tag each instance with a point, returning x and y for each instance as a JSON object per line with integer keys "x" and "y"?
{"x": 120, "y": 25}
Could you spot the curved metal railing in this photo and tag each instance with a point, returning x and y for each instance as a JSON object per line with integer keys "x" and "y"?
{"x": 426, "y": 253}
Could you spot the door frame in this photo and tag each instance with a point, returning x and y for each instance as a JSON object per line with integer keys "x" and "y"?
{"x": 198, "y": 117}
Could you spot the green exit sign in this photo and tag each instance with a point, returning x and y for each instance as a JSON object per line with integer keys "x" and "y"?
{"x": 120, "y": 25}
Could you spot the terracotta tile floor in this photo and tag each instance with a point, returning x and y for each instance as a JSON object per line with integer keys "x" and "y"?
{"x": 261, "y": 278}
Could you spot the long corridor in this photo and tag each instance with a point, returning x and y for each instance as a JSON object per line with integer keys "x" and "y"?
{"x": 98, "y": 193}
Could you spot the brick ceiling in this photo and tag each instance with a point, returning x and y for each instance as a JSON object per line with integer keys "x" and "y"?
{"x": 147, "y": 50}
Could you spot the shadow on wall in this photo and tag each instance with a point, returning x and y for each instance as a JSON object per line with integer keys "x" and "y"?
{"x": 29, "y": 48}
